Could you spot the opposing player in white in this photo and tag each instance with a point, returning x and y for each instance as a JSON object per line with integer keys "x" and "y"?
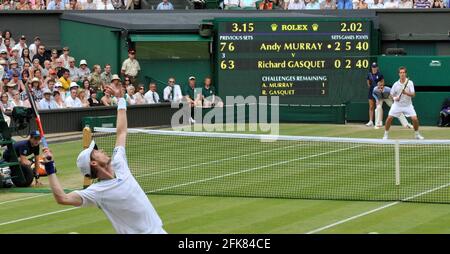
{"x": 382, "y": 94}
{"x": 117, "y": 192}
{"x": 402, "y": 92}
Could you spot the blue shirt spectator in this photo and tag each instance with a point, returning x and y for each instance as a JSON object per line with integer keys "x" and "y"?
{"x": 344, "y": 4}
{"x": 421, "y": 4}
{"x": 165, "y": 5}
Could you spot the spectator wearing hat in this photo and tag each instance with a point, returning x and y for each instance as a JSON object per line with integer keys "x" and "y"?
{"x": 34, "y": 46}
{"x": 83, "y": 70}
{"x": 130, "y": 67}
{"x": 373, "y": 78}
{"x": 106, "y": 75}
{"x": 4, "y": 54}
{"x": 56, "y": 5}
{"x": 152, "y": 96}
{"x": 14, "y": 69}
{"x": 94, "y": 78}
{"x": 192, "y": 96}
{"x": 10, "y": 88}
{"x": 65, "y": 80}
{"x": 60, "y": 89}
{"x": 64, "y": 57}
{"x": 41, "y": 55}
{"x": 165, "y": 5}
{"x": 15, "y": 56}
{"x": 21, "y": 45}
{"x": 36, "y": 89}
{"x": 47, "y": 102}
{"x": 58, "y": 99}
{"x": 72, "y": 101}
{"x": 73, "y": 70}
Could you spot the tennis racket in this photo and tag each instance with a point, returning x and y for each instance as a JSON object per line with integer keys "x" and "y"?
{"x": 35, "y": 111}
{"x": 406, "y": 85}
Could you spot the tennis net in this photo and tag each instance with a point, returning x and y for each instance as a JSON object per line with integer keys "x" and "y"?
{"x": 249, "y": 165}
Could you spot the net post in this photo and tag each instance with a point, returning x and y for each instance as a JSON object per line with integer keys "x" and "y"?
{"x": 86, "y": 141}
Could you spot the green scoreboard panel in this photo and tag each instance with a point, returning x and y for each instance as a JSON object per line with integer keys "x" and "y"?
{"x": 313, "y": 61}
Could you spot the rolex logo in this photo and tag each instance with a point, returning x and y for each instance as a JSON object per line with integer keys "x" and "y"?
{"x": 315, "y": 27}
{"x": 274, "y": 27}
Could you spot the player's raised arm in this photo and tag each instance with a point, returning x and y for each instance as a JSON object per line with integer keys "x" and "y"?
{"x": 60, "y": 196}
{"x": 122, "y": 123}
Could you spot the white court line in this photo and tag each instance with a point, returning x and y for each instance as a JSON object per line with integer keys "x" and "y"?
{"x": 20, "y": 199}
{"x": 216, "y": 161}
{"x": 376, "y": 209}
{"x": 38, "y": 216}
{"x": 252, "y": 169}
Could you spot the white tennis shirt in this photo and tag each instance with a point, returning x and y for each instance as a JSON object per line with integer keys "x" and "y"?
{"x": 396, "y": 90}
{"x": 123, "y": 200}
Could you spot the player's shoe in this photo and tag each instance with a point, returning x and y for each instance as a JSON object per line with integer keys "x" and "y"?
{"x": 376, "y": 127}
{"x": 191, "y": 120}
{"x": 385, "y": 137}
{"x": 420, "y": 137}
{"x": 409, "y": 126}
{"x": 369, "y": 124}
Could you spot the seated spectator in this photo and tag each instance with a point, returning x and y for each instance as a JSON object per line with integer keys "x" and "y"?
{"x": 16, "y": 101}
{"x": 93, "y": 102}
{"x": 344, "y": 4}
{"x": 72, "y": 101}
{"x": 6, "y": 105}
{"x": 118, "y": 4}
{"x": 191, "y": 93}
{"x": 42, "y": 56}
{"x": 7, "y": 35}
{"x": 73, "y": 70}
{"x": 36, "y": 89}
{"x": 172, "y": 92}
{"x": 64, "y": 57}
{"x": 134, "y": 5}
{"x": 21, "y": 45}
{"x": 104, "y": 5}
{"x": 94, "y": 78}
{"x": 377, "y": 4}
{"x": 47, "y": 102}
{"x": 73, "y": 5}
{"x": 53, "y": 58}
{"x": 208, "y": 96}
{"x": 362, "y": 5}
{"x": 35, "y": 66}
{"x": 37, "y": 74}
{"x": 107, "y": 99}
{"x": 82, "y": 96}
{"x": 295, "y": 5}
{"x": 231, "y": 4}
{"x": 55, "y": 5}
{"x": 247, "y": 3}
{"x": 422, "y": 4}
{"x": 65, "y": 80}
{"x": 58, "y": 99}
{"x": 16, "y": 83}
{"x": 88, "y": 5}
{"x": 14, "y": 69}
{"x": 10, "y": 88}
{"x": 106, "y": 75}
{"x": 15, "y": 56}
{"x": 328, "y": 5}
{"x": 391, "y": 4}
{"x": 139, "y": 96}
{"x": 25, "y": 57}
{"x": 22, "y": 5}
{"x": 312, "y": 5}
{"x": 83, "y": 70}
{"x": 444, "y": 115}
{"x": 438, "y": 4}
{"x": 50, "y": 84}
{"x": 87, "y": 88}
{"x": 60, "y": 89}
{"x": 33, "y": 49}
{"x": 130, "y": 94}
{"x": 152, "y": 97}
{"x": 165, "y": 5}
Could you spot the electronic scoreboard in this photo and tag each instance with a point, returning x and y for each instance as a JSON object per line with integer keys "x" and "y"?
{"x": 301, "y": 60}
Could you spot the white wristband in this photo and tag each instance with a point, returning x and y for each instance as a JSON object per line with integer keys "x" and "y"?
{"x": 121, "y": 104}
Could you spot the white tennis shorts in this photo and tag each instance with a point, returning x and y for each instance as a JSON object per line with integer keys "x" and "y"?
{"x": 397, "y": 110}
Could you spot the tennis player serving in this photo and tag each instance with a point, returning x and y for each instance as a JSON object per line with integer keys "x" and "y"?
{"x": 402, "y": 92}
{"x": 117, "y": 192}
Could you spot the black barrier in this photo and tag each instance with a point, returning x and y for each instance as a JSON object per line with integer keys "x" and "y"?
{"x": 68, "y": 120}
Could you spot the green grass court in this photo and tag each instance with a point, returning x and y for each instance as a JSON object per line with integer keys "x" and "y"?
{"x": 33, "y": 210}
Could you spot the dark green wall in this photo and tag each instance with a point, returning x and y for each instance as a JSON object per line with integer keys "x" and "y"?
{"x": 96, "y": 44}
